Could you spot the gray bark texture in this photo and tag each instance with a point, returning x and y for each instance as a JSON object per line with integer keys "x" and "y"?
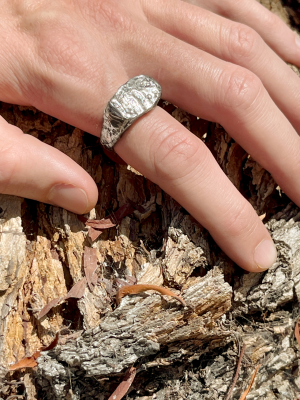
{"x": 180, "y": 352}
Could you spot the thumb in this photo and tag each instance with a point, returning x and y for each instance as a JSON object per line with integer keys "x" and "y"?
{"x": 32, "y": 169}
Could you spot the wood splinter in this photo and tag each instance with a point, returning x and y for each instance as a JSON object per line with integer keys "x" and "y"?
{"x": 135, "y": 289}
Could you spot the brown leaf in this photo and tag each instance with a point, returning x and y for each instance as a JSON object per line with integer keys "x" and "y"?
{"x": 52, "y": 344}
{"x": 104, "y": 223}
{"x": 27, "y": 362}
{"x": 297, "y": 334}
{"x": 244, "y": 395}
{"x": 122, "y": 389}
{"x": 93, "y": 233}
{"x": 112, "y": 219}
{"x": 135, "y": 289}
{"x": 96, "y": 226}
{"x": 122, "y": 212}
{"x": 77, "y": 290}
{"x": 30, "y": 362}
{"x": 48, "y": 306}
{"x": 90, "y": 265}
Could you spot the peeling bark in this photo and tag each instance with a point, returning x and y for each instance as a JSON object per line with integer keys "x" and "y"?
{"x": 179, "y": 352}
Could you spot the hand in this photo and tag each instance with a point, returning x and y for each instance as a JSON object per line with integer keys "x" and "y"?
{"x": 69, "y": 58}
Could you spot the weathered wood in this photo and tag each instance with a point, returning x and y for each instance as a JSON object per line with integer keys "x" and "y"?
{"x": 180, "y": 353}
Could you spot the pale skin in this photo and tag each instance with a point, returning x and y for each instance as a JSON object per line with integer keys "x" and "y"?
{"x": 68, "y": 58}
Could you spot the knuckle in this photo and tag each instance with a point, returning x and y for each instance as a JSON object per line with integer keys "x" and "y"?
{"x": 244, "y": 42}
{"x": 239, "y": 222}
{"x": 239, "y": 88}
{"x": 174, "y": 156}
{"x": 111, "y": 14}
{"x": 271, "y": 20}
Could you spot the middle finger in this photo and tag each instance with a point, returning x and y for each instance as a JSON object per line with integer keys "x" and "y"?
{"x": 217, "y": 90}
{"x": 233, "y": 42}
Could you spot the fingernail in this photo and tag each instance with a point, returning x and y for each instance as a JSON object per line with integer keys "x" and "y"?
{"x": 265, "y": 254}
{"x": 297, "y": 40}
{"x": 69, "y": 197}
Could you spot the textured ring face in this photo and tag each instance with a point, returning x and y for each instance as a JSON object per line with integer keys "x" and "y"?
{"x": 133, "y": 99}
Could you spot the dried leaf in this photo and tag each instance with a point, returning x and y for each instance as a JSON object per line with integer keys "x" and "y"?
{"x": 77, "y": 290}
{"x": 123, "y": 211}
{"x": 27, "y": 362}
{"x": 30, "y": 362}
{"x": 297, "y": 334}
{"x": 135, "y": 289}
{"x": 122, "y": 389}
{"x": 244, "y": 395}
{"x": 90, "y": 265}
{"x": 104, "y": 223}
{"x": 96, "y": 226}
{"x": 112, "y": 219}
{"x": 94, "y": 234}
{"x": 48, "y": 306}
{"x": 52, "y": 344}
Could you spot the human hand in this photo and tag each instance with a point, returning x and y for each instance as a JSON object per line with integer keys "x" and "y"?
{"x": 69, "y": 58}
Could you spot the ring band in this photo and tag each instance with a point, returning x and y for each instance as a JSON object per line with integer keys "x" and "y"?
{"x": 132, "y": 100}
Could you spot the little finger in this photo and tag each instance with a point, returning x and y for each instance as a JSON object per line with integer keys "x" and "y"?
{"x": 270, "y": 27}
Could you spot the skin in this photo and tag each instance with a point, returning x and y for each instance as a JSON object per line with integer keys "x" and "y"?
{"x": 68, "y": 58}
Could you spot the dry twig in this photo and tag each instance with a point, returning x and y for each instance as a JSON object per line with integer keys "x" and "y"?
{"x": 244, "y": 395}
{"x": 237, "y": 373}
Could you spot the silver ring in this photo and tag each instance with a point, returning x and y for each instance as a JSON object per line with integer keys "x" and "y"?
{"x": 133, "y": 99}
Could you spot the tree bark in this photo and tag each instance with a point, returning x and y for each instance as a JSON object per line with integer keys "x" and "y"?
{"x": 180, "y": 352}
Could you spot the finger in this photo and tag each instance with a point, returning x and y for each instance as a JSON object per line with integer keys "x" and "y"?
{"x": 163, "y": 150}
{"x": 231, "y": 95}
{"x": 233, "y": 42}
{"x": 32, "y": 169}
{"x": 270, "y": 27}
